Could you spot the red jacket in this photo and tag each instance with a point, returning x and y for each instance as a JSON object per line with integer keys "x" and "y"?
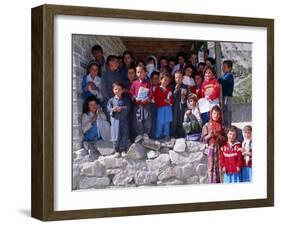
{"x": 196, "y": 91}
{"x": 212, "y": 87}
{"x": 231, "y": 157}
{"x": 160, "y": 95}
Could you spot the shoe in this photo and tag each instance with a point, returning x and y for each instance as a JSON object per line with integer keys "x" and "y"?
{"x": 116, "y": 155}
{"x": 145, "y": 136}
{"x": 123, "y": 154}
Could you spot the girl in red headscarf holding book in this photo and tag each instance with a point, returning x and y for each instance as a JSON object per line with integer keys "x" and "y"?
{"x": 215, "y": 140}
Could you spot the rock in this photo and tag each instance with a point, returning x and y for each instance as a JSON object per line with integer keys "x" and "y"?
{"x": 113, "y": 171}
{"x": 75, "y": 176}
{"x": 197, "y": 157}
{"x": 80, "y": 153}
{"x": 193, "y": 146}
{"x": 93, "y": 182}
{"x": 105, "y": 148}
{"x": 152, "y": 154}
{"x": 193, "y": 180}
{"x": 137, "y": 164}
{"x": 158, "y": 164}
{"x": 202, "y": 170}
{"x": 203, "y": 180}
{"x": 184, "y": 171}
{"x": 124, "y": 177}
{"x": 177, "y": 158}
{"x": 93, "y": 155}
{"x": 136, "y": 151}
{"x": 138, "y": 138}
{"x": 89, "y": 145}
{"x": 180, "y": 145}
{"x": 169, "y": 143}
{"x": 170, "y": 181}
{"x": 164, "y": 150}
{"x": 167, "y": 173}
{"x": 111, "y": 162}
{"x": 93, "y": 169}
{"x": 151, "y": 144}
{"x": 145, "y": 177}
{"x": 82, "y": 160}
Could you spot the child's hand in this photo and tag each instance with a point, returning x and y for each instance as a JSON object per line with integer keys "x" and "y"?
{"x": 146, "y": 101}
{"x": 168, "y": 101}
{"x": 115, "y": 109}
{"x": 188, "y": 112}
{"x": 119, "y": 109}
{"x": 223, "y": 169}
{"x": 238, "y": 169}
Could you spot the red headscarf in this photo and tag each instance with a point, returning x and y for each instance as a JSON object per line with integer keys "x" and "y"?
{"x": 216, "y": 126}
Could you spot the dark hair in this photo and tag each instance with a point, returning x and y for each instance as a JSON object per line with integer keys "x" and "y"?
{"x": 232, "y": 129}
{"x": 165, "y": 74}
{"x": 132, "y": 66}
{"x": 154, "y": 73}
{"x": 143, "y": 67}
{"x": 128, "y": 53}
{"x": 117, "y": 83}
{"x": 111, "y": 58}
{"x": 97, "y": 48}
{"x": 211, "y": 59}
{"x": 162, "y": 58}
{"x": 207, "y": 51}
{"x": 150, "y": 58}
{"x": 209, "y": 68}
{"x": 86, "y": 103}
{"x": 182, "y": 54}
{"x": 247, "y": 127}
{"x": 93, "y": 63}
{"x": 140, "y": 61}
{"x": 189, "y": 65}
{"x": 229, "y": 63}
{"x": 200, "y": 75}
{"x": 201, "y": 64}
{"x": 172, "y": 59}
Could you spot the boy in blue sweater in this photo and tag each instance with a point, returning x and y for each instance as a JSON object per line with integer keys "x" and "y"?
{"x": 227, "y": 82}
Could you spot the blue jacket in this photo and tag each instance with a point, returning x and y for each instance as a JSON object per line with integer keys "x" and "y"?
{"x": 227, "y": 82}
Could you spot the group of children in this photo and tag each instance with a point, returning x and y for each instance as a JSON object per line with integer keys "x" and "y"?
{"x": 163, "y": 101}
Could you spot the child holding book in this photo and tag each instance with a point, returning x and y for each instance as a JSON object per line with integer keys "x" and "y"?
{"x": 180, "y": 93}
{"x": 118, "y": 108}
{"x": 231, "y": 157}
{"x": 154, "y": 84}
{"x": 141, "y": 96}
{"x": 164, "y": 100}
{"x": 247, "y": 154}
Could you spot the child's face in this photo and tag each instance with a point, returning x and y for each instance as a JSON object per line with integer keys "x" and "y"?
{"x": 94, "y": 71}
{"x": 225, "y": 68}
{"x": 193, "y": 59}
{"x": 155, "y": 80}
{"x": 128, "y": 59}
{"x": 247, "y": 134}
{"x": 114, "y": 64}
{"x": 208, "y": 63}
{"x": 98, "y": 55}
{"x": 215, "y": 115}
{"x": 178, "y": 78}
{"x": 131, "y": 74}
{"x": 165, "y": 81}
{"x": 192, "y": 103}
{"x": 188, "y": 72}
{"x": 163, "y": 63}
{"x": 141, "y": 73}
{"x": 209, "y": 75}
{"x": 117, "y": 90}
{"x": 172, "y": 64}
{"x": 231, "y": 136}
{"x": 205, "y": 130}
{"x": 93, "y": 106}
{"x": 181, "y": 60}
{"x": 201, "y": 68}
{"x": 198, "y": 80}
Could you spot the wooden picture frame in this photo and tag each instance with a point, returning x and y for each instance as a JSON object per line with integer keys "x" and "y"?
{"x": 42, "y": 203}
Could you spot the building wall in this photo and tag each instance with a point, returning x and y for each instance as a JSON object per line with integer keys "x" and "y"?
{"x": 81, "y": 50}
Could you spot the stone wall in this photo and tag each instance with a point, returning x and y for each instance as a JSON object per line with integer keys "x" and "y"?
{"x": 148, "y": 163}
{"x": 81, "y": 47}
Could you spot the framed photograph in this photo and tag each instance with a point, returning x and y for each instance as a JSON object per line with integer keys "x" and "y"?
{"x": 141, "y": 112}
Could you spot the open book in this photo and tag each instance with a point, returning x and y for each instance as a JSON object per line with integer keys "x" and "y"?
{"x": 143, "y": 93}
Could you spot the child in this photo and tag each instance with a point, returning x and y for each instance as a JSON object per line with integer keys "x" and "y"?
{"x": 94, "y": 124}
{"x": 172, "y": 63}
{"x": 91, "y": 83}
{"x": 163, "y": 63}
{"x": 201, "y": 67}
{"x": 154, "y": 84}
{"x": 97, "y": 53}
{"x": 192, "y": 121}
{"x": 247, "y": 154}
{"x": 227, "y": 83}
{"x": 231, "y": 157}
{"x": 210, "y": 91}
{"x": 198, "y": 85}
{"x": 181, "y": 62}
{"x": 180, "y": 94}
{"x": 164, "y": 100}
{"x": 118, "y": 108}
{"x": 215, "y": 140}
{"x": 188, "y": 77}
{"x": 110, "y": 76}
{"x": 141, "y": 97}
